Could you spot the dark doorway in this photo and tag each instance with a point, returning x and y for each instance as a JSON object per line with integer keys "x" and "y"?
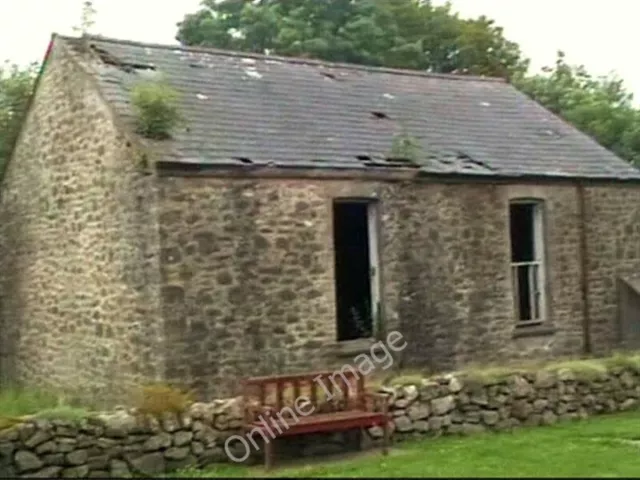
{"x": 352, "y": 269}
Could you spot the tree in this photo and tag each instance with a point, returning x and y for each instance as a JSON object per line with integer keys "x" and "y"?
{"x": 395, "y": 33}
{"x": 601, "y": 107}
{"x": 16, "y": 87}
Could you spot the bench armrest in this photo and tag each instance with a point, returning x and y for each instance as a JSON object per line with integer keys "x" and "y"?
{"x": 377, "y": 401}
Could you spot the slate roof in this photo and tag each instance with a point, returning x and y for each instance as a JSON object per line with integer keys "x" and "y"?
{"x": 251, "y": 109}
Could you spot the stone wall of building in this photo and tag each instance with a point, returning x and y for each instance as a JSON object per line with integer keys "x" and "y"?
{"x": 243, "y": 282}
{"x": 122, "y": 444}
{"x": 79, "y": 269}
{"x": 613, "y": 226}
{"x": 247, "y": 282}
{"x": 248, "y": 272}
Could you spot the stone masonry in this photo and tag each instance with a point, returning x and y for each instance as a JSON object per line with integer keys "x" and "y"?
{"x": 247, "y": 272}
{"x": 112, "y": 276}
{"x": 79, "y": 283}
{"x": 124, "y": 444}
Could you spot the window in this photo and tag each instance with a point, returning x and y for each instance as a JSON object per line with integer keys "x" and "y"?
{"x": 527, "y": 260}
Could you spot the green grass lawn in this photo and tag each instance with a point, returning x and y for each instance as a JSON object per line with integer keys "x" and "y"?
{"x": 607, "y": 446}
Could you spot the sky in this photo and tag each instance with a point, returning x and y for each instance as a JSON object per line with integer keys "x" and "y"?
{"x": 595, "y": 34}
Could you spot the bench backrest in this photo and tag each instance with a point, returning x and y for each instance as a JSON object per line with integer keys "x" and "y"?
{"x": 327, "y": 391}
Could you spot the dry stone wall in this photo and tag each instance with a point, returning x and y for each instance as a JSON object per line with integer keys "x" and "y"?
{"x": 122, "y": 444}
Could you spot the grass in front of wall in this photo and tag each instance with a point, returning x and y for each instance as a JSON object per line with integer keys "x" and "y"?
{"x": 606, "y": 446}
{"x": 17, "y": 404}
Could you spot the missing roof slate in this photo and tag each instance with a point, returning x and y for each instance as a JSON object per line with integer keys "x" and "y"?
{"x": 110, "y": 59}
{"x": 458, "y": 161}
{"x": 380, "y": 115}
{"x": 245, "y": 160}
{"x": 387, "y": 162}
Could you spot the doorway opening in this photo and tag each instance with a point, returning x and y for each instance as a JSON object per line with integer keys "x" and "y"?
{"x": 356, "y": 268}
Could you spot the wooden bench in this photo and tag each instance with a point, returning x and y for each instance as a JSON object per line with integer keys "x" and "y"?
{"x": 286, "y": 405}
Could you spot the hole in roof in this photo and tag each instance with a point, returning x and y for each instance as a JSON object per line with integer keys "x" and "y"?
{"x": 245, "y": 160}
{"x": 459, "y": 161}
{"x": 398, "y": 160}
{"x": 109, "y": 59}
{"x": 196, "y": 65}
{"x": 140, "y": 66}
{"x": 363, "y": 158}
{"x": 380, "y": 115}
{"x": 330, "y": 75}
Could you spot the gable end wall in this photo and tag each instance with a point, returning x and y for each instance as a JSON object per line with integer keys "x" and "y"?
{"x": 79, "y": 237}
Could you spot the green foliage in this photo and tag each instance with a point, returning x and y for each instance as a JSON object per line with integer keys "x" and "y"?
{"x": 622, "y": 360}
{"x": 16, "y": 404}
{"x": 86, "y": 18}
{"x": 156, "y": 107}
{"x": 158, "y": 399}
{"x": 16, "y": 86}
{"x": 405, "y": 148}
{"x": 63, "y": 412}
{"x": 599, "y": 106}
{"x": 394, "y": 33}
{"x": 581, "y": 368}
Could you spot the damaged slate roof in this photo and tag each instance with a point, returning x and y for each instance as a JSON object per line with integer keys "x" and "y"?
{"x": 246, "y": 109}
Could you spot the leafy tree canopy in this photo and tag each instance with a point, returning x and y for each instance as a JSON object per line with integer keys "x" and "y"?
{"x": 600, "y": 106}
{"x": 16, "y": 85}
{"x": 392, "y": 33}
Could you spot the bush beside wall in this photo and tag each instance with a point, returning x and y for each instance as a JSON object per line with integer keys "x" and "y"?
{"x": 123, "y": 443}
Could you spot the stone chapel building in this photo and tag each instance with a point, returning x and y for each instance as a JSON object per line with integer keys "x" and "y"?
{"x": 301, "y": 209}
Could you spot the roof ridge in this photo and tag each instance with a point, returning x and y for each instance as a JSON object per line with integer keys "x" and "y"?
{"x": 293, "y": 60}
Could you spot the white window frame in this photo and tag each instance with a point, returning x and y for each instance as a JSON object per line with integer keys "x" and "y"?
{"x": 536, "y": 269}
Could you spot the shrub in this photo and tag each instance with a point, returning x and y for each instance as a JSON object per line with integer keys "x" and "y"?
{"x": 157, "y": 399}
{"x": 155, "y": 105}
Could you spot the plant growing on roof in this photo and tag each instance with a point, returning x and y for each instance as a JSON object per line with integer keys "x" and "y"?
{"x": 405, "y": 148}
{"x": 155, "y": 105}
{"x": 86, "y": 18}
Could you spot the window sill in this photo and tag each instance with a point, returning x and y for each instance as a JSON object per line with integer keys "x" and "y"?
{"x": 533, "y": 330}
{"x": 351, "y": 348}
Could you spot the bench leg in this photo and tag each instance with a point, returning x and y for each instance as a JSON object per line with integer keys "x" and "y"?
{"x": 268, "y": 454}
{"x": 386, "y": 434}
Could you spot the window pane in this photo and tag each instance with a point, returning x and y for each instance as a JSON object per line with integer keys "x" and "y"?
{"x": 522, "y": 232}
